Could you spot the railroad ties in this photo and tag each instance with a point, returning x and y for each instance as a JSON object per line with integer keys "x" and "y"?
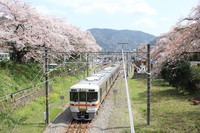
{"x": 78, "y": 126}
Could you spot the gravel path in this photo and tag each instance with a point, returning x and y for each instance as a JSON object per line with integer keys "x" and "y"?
{"x": 60, "y": 123}
{"x": 112, "y": 116}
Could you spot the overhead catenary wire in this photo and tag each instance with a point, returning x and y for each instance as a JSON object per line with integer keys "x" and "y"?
{"x": 19, "y": 118}
{"x": 31, "y": 83}
{"x": 29, "y": 100}
{"x": 33, "y": 86}
{"x": 15, "y": 105}
{"x": 128, "y": 97}
{"x": 7, "y": 115}
{"x": 5, "y": 97}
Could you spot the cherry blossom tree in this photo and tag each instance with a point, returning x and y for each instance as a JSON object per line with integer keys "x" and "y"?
{"x": 23, "y": 29}
{"x": 183, "y": 37}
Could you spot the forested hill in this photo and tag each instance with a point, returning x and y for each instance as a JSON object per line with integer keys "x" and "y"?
{"x": 108, "y": 38}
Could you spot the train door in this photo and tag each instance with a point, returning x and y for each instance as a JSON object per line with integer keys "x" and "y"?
{"x": 82, "y": 100}
{"x": 101, "y": 95}
{"x": 106, "y": 86}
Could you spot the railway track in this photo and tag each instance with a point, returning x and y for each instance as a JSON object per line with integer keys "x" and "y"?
{"x": 81, "y": 126}
{"x": 78, "y": 126}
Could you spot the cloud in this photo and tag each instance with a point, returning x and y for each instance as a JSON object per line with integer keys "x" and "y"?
{"x": 145, "y": 21}
{"x": 164, "y": 19}
{"x": 108, "y": 6}
{"x": 47, "y": 11}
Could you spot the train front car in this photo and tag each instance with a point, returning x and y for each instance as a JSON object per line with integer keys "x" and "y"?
{"x": 84, "y": 101}
{"x": 87, "y": 95}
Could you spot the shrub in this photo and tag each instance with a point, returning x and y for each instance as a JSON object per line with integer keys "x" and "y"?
{"x": 196, "y": 76}
{"x": 179, "y": 75}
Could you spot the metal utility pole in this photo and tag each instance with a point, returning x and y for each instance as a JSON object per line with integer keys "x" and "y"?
{"x": 126, "y": 58}
{"x": 127, "y": 65}
{"x": 87, "y": 65}
{"x": 148, "y": 83}
{"x": 47, "y": 85}
{"x": 112, "y": 58}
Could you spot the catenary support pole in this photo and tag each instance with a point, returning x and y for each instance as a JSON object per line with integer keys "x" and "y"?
{"x": 148, "y": 83}
{"x": 127, "y": 64}
{"x": 87, "y": 56}
{"x": 47, "y": 85}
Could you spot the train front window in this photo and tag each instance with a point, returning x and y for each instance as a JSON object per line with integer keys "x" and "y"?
{"x": 92, "y": 96}
{"x": 74, "y": 96}
{"x": 82, "y": 96}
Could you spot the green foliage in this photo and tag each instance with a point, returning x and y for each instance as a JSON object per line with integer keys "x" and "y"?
{"x": 196, "y": 76}
{"x": 6, "y": 119}
{"x": 15, "y": 76}
{"x": 170, "y": 111}
{"x": 179, "y": 75}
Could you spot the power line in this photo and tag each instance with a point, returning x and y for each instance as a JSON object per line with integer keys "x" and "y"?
{"x": 19, "y": 118}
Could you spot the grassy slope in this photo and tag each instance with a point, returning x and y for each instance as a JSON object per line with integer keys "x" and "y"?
{"x": 30, "y": 118}
{"x": 170, "y": 112}
{"x": 15, "y": 76}
{"x": 35, "y": 109}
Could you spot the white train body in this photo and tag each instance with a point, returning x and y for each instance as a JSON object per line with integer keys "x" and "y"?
{"x": 87, "y": 95}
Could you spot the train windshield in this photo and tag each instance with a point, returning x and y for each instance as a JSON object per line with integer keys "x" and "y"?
{"x": 82, "y": 96}
{"x": 74, "y": 96}
{"x": 92, "y": 96}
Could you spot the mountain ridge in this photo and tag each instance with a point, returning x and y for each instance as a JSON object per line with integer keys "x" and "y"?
{"x": 108, "y": 38}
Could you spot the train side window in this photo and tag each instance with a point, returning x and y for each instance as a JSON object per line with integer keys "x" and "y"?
{"x": 74, "y": 96}
{"x": 104, "y": 88}
{"x": 92, "y": 96}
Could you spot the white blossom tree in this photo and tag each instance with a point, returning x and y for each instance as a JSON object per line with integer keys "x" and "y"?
{"x": 23, "y": 28}
{"x": 184, "y": 37}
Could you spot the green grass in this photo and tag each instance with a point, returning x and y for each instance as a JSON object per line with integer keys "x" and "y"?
{"x": 170, "y": 111}
{"x": 15, "y": 76}
{"x": 30, "y": 118}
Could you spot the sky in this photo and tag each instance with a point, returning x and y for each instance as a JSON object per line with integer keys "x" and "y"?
{"x": 151, "y": 16}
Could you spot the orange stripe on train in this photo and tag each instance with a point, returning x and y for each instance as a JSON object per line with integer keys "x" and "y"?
{"x": 84, "y": 104}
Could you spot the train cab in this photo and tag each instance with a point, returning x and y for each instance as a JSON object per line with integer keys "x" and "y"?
{"x": 87, "y": 95}
{"x": 84, "y": 101}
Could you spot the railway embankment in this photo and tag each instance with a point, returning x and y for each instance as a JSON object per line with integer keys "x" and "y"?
{"x": 170, "y": 110}
{"x": 24, "y": 112}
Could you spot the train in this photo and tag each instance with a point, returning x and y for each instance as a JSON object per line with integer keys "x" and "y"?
{"x": 87, "y": 95}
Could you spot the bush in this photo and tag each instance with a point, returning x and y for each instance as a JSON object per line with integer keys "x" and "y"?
{"x": 179, "y": 75}
{"x": 15, "y": 76}
{"x": 196, "y": 76}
